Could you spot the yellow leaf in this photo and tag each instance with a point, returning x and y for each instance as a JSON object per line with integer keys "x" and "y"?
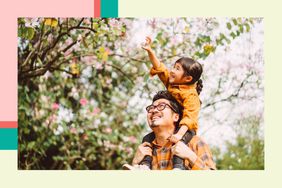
{"x": 186, "y": 29}
{"x": 102, "y": 49}
{"x": 54, "y": 22}
{"x": 208, "y": 48}
{"x": 105, "y": 56}
{"x": 47, "y": 21}
{"x": 174, "y": 51}
{"x": 74, "y": 69}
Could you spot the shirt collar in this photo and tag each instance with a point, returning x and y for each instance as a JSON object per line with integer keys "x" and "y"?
{"x": 185, "y": 86}
{"x": 167, "y": 144}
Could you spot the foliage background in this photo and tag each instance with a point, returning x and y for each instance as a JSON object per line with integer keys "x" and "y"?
{"x": 84, "y": 83}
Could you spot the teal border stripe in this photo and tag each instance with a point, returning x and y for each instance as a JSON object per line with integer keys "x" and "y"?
{"x": 109, "y": 8}
{"x": 8, "y": 139}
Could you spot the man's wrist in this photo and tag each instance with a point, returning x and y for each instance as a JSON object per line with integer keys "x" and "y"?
{"x": 192, "y": 157}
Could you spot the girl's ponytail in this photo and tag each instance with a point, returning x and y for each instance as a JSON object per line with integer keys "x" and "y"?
{"x": 199, "y": 86}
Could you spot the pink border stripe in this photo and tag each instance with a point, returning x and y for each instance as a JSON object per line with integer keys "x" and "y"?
{"x": 97, "y": 8}
{"x": 8, "y": 124}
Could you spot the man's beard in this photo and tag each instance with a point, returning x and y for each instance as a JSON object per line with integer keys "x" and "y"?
{"x": 153, "y": 125}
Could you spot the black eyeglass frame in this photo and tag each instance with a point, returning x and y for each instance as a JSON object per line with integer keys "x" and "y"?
{"x": 160, "y": 107}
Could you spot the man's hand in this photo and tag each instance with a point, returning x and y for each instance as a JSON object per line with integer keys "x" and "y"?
{"x": 142, "y": 150}
{"x": 182, "y": 150}
{"x": 147, "y": 45}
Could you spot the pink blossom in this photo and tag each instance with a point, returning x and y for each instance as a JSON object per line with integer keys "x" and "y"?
{"x": 83, "y": 101}
{"x": 68, "y": 52}
{"x": 63, "y": 19}
{"x": 108, "y": 130}
{"x": 133, "y": 139}
{"x": 73, "y": 130}
{"x": 152, "y": 23}
{"x": 84, "y": 137}
{"x": 107, "y": 50}
{"x": 50, "y": 38}
{"x": 88, "y": 59}
{"x": 96, "y": 111}
{"x": 113, "y": 23}
{"x": 98, "y": 66}
{"x": 129, "y": 150}
{"x": 55, "y": 106}
{"x": 68, "y": 41}
{"x": 87, "y": 21}
{"x": 53, "y": 118}
{"x": 108, "y": 81}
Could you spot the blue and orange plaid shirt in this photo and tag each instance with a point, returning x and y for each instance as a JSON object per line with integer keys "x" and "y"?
{"x": 162, "y": 156}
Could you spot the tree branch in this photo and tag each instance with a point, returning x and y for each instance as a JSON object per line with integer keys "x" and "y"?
{"x": 235, "y": 94}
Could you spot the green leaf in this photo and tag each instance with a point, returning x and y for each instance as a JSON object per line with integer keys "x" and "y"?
{"x": 20, "y": 32}
{"x": 39, "y": 60}
{"x": 247, "y": 27}
{"x": 235, "y": 21}
{"x": 21, "y": 21}
{"x": 222, "y": 36}
{"x": 30, "y": 33}
{"x": 228, "y": 25}
{"x": 198, "y": 54}
{"x": 241, "y": 28}
{"x": 206, "y": 39}
{"x": 233, "y": 35}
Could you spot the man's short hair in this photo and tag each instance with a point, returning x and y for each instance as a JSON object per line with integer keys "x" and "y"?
{"x": 173, "y": 102}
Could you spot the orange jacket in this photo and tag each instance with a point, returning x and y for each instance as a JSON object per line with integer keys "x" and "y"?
{"x": 186, "y": 95}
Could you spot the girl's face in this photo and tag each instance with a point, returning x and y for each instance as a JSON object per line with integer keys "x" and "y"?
{"x": 176, "y": 75}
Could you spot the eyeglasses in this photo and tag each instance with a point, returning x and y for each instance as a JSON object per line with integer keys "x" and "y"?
{"x": 160, "y": 107}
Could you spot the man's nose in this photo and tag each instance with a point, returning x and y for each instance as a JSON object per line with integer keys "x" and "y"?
{"x": 155, "y": 110}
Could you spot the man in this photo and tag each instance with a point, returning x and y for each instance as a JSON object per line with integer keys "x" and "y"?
{"x": 163, "y": 117}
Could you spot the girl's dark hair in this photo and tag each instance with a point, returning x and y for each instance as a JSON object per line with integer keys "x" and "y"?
{"x": 194, "y": 69}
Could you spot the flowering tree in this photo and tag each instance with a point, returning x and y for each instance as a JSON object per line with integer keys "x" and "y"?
{"x": 84, "y": 83}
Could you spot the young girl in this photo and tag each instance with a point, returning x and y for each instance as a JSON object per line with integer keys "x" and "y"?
{"x": 184, "y": 83}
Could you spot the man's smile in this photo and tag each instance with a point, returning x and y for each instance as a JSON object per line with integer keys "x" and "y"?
{"x": 155, "y": 117}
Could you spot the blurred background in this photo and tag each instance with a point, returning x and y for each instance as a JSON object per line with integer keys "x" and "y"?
{"x": 83, "y": 85}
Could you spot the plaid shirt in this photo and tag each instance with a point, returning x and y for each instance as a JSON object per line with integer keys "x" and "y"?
{"x": 186, "y": 95}
{"x": 162, "y": 156}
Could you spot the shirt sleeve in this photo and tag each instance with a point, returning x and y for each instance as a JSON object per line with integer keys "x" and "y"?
{"x": 162, "y": 72}
{"x": 191, "y": 105}
{"x": 204, "y": 160}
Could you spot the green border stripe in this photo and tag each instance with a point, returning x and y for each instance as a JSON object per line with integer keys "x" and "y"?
{"x": 109, "y": 8}
{"x": 8, "y": 139}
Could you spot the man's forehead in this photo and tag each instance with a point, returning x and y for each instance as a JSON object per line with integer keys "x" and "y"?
{"x": 161, "y": 101}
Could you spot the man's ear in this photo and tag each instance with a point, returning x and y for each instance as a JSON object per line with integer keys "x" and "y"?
{"x": 175, "y": 117}
{"x": 188, "y": 78}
